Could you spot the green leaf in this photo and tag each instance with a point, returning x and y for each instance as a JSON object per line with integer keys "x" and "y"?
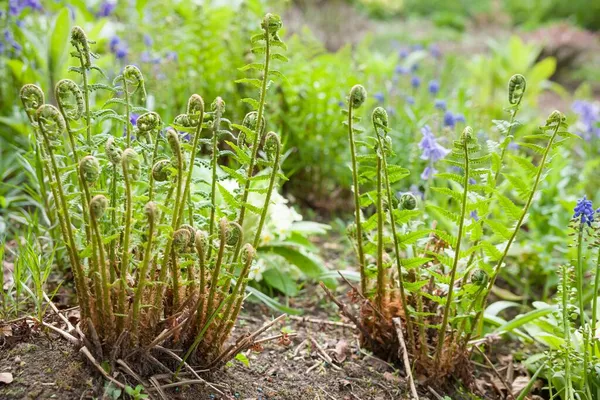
{"x": 523, "y": 319}
{"x": 272, "y": 303}
{"x": 281, "y": 281}
{"x": 241, "y": 357}
{"x": 59, "y": 38}
{"x": 251, "y": 81}
{"x": 309, "y": 264}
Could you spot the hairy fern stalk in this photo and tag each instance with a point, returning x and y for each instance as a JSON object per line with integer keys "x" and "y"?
{"x": 158, "y": 252}
{"x": 437, "y": 279}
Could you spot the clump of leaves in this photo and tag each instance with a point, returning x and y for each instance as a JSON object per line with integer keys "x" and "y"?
{"x": 158, "y": 262}
{"x": 435, "y": 281}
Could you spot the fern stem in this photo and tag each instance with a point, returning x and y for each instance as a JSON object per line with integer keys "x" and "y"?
{"x": 126, "y": 238}
{"x": 379, "y": 205}
{"x": 566, "y": 332}
{"x": 257, "y": 137}
{"x": 139, "y": 290}
{"x": 104, "y": 282}
{"x": 188, "y": 179}
{"x": 448, "y": 304}
{"x": 213, "y": 190}
{"x": 356, "y": 187}
{"x": 127, "y": 112}
{"x": 82, "y": 291}
{"x": 263, "y": 214}
{"x": 86, "y": 96}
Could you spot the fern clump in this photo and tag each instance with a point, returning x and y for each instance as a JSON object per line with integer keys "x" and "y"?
{"x": 430, "y": 284}
{"x": 159, "y": 255}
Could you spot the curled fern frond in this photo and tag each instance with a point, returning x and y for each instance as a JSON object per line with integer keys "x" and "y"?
{"x": 235, "y": 234}
{"x": 248, "y": 253}
{"x": 65, "y": 91}
{"x": 380, "y": 120}
{"x": 201, "y": 242}
{"x": 516, "y": 89}
{"x": 32, "y": 98}
{"x": 250, "y": 122}
{"x": 148, "y": 122}
{"x": 112, "y": 151}
{"x": 358, "y": 95}
{"x": 479, "y": 277}
{"x": 160, "y": 170}
{"x": 271, "y": 23}
{"x": 408, "y": 201}
{"x": 131, "y": 162}
{"x": 80, "y": 41}
{"x": 151, "y": 212}
{"x": 89, "y": 168}
{"x": 173, "y": 140}
{"x": 98, "y": 206}
{"x": 134, "y": 76}
{"x": 50, "y": 121}
{"x": 272, "y": 146}
{"x": 181, "y": 239}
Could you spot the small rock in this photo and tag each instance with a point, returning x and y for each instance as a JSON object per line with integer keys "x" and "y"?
{"x": 6, "y": 377}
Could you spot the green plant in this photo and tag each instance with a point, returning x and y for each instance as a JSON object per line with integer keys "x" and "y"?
{"x": 441, "y": 284}
{"x": 156, "y": 260}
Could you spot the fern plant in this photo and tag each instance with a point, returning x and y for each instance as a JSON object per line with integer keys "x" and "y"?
{"x": 158, "y": 262}
{"x": 436, "y": 280}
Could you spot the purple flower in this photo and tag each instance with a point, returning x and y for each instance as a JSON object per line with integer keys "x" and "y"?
{"x": 106, "y": 9}
{"x": 379, "y": 97}
{"x": 585, "y": 211}
{"x": 589, "y": 118}
{"x": 434, "y": 87}
{"x": 341, "y": 103}
{"x": 10, "y": 39}
{"x": 410, "y": 100}
{"x": 417, "y": 47}
{"x": 415, "y": 82}
{"x": 459, "y": 118}
{"x": 434, "y": 50}
{"x": 400, "y": 70}
{"x": 133, "y": 117}
{"x": 414, "y": 68}
{"x": 432, "y": 150}
{"x": 16, "y": 7}
{"x": 145, "y": 57}
{"x": 148, "y": 40}
{"x": 113, "y": 43}
{"x": 404, "y": 53}
{"x": 428, "y": 172}
{"x": 171, "y": 56}
{"x": 440, "y": 104}
{"x": 449, "y": 120}
{"x": 474, "y": 215}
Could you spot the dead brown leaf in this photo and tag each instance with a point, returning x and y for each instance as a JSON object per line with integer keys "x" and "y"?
{"x": 341, "y": 348}
{"x": 519, "y": 384}
{"x": 8, "y": 269}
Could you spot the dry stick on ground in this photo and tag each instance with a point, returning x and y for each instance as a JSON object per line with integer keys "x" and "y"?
{"x": 321, "y": 321}
{"x": 433, "y": 392}
{"x": 90, "y": 357}
{"x": 132, "y": 373}
{"x": 344, "y": 310}
{"x": 243, "y": 343}
{"x": 508, "y": 389}
{"x": 72, "y": 339}
{"x": 404, "y": 356}
{"x": 53, "y": 307}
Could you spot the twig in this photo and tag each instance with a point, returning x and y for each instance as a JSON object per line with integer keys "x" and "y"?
{"x": 64, "y": 334}
{"x": 404, "y": 355}
{"x": 344, "y": 310}
{"x": 321, "y": 321}
{"x": 498, "y": 375}
{"x": 190, "y": 369}
{"x": 53, "y": 307}
{"x": 243, "y": 343}
{"x": 327, "y": 394}
{"x": 90, "y": 357}
{"x": 95, "y": 338}
{"x": 433, "y": 392}
{"x": 131, "y": 372}
{"x": 301, "y": 345}
{"x": 315, "y": 365}
{"x": 279, "y": 336}
{"x": 157, "y": 387}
